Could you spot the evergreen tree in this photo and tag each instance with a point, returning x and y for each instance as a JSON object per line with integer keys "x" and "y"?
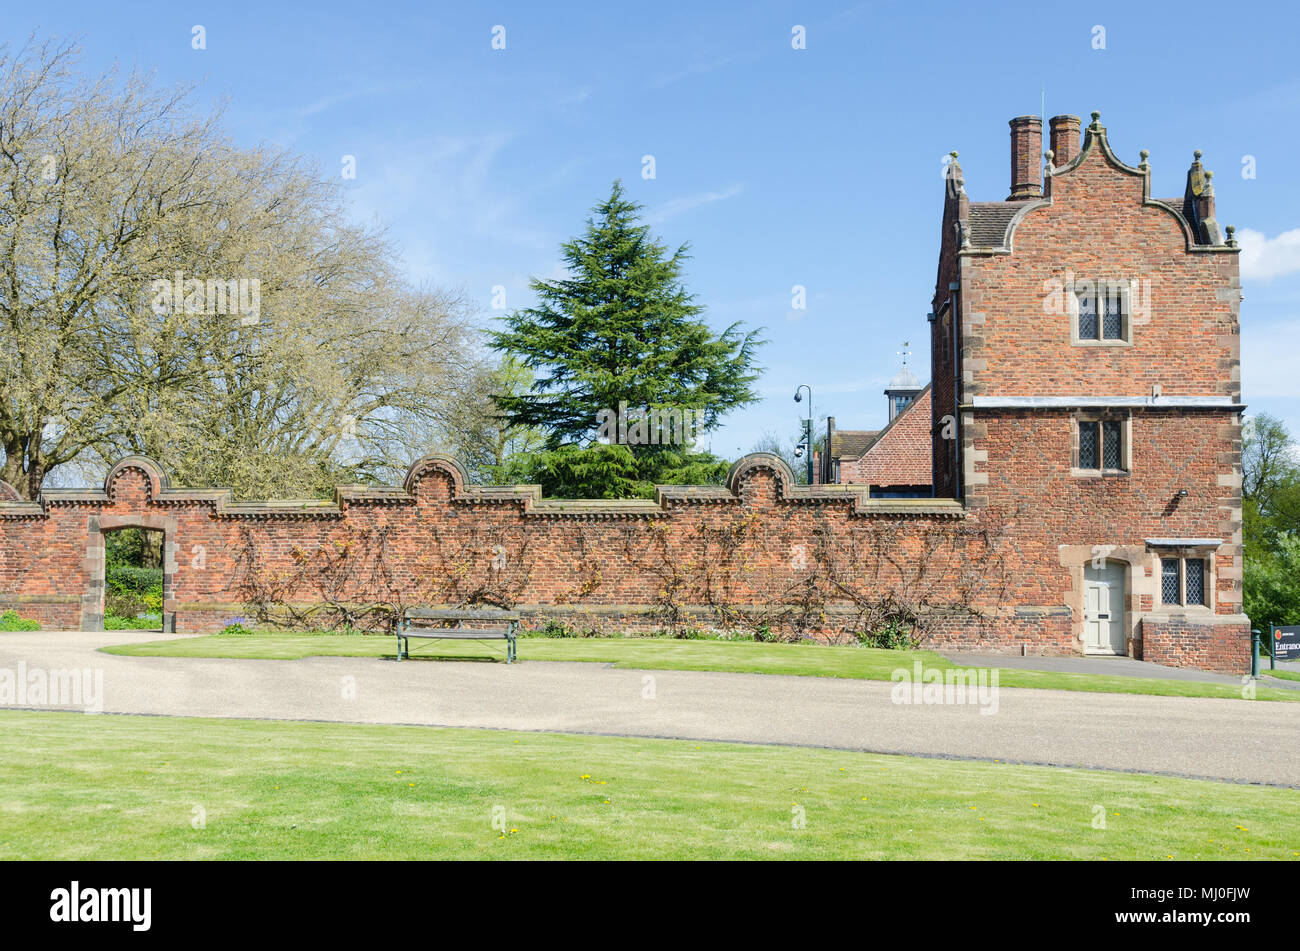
{"x": 620, "y": 329}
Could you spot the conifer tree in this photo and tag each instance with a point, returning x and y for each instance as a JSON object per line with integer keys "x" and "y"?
{"x": 620, "y": 330}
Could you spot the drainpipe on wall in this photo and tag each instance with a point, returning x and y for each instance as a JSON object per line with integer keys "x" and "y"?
{"x": 954, "y": 301}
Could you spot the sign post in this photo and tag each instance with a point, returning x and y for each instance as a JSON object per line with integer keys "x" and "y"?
{"x": 1286, "y": 642}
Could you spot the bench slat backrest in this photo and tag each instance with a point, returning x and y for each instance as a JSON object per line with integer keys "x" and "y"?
{"x": 451, "y": 614}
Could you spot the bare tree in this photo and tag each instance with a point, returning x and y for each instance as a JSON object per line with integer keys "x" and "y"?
{"x": 164, "y": 291}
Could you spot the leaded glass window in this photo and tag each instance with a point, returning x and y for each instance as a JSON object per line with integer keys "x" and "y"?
{"x": 1195, "y": 580}
{"x": 1111, "y": 456}
{"x": 1169, "y": 580}
{"x": 1088, "y": 316}
{"x": 1112, "y": 321}
{"x": 1088, "y": 448}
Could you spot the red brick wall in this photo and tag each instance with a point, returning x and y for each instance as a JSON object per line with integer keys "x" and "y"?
{"x": 1184, "y": 642}
{"x": 761, "y": 550}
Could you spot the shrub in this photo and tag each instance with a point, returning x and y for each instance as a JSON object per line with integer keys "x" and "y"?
{"x": 131, "y": 591}
{"x": 895, "y": 635}
{"x": 10, "y": 621}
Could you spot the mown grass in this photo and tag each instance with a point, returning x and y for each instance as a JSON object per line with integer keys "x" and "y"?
{"x": 74, "y": 786}
{"x": 646, "y": 653}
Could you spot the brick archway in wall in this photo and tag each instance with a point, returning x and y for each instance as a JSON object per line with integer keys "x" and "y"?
{"x": 92, "y": 600}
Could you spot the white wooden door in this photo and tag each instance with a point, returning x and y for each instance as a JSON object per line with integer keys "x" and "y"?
{"x": 1103, "y": 609}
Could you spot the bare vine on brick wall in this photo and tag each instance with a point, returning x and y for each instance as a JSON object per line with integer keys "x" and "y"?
{"x": 346, "y": 582}
{"x": 476, "y": 567}
{"x": 845, "y": 584}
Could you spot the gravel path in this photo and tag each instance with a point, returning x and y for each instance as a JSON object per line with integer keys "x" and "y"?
{"x": 1220, "y": 739}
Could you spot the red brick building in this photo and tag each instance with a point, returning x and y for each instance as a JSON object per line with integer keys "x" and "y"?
{"x": 1081, "y": 437}
{"x": 1087, "y": 390}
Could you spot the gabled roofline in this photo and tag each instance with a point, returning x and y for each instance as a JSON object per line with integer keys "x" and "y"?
{"x": 1094, "y": 136}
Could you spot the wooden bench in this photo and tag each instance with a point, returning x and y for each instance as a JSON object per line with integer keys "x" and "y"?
{"x": 427, "y": 623}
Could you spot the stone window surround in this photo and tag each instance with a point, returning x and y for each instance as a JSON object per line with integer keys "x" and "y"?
{"x": 1124, "y": 418}
{"x": 1203, "y": 553}
{"x": 1126, "y": 297}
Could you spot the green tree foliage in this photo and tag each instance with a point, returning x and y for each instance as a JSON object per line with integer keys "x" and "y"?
{"x": 612, "y": 472}
{"x": 1270, "y": 522}
{"x": 620, "y": 329}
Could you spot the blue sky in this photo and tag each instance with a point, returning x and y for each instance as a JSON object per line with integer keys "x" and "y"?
{"x": 818, "y": 167}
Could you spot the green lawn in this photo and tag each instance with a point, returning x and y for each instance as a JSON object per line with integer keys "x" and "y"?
{"x": 1281, "y": 674}
{"x": 74, "y": 786}
{"x": 668, "y": 654}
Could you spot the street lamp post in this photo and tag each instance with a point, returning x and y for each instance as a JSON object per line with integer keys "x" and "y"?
{"x": 807, "y": 445}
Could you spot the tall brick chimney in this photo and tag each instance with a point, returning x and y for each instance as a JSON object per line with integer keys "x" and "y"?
{"x": 1065, "y": 139}
{"x": 1026, "y": 158}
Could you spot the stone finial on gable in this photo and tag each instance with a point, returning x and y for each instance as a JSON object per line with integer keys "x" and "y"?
{"x": 955, "y": 192}
{"x": 1198, "y": 202}
{"x": 956, "y": 183}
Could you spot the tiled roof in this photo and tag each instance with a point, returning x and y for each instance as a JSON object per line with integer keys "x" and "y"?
{"x": 851, "y": 443}
{"x": 901, "y": 453}
{"x": 989, "y": 221}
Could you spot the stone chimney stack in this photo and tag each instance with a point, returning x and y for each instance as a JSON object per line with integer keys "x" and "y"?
{"x": 1065, "y": 139}
{"x": 1026, "y": 158}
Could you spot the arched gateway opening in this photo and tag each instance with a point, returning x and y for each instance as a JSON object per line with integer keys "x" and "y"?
{"x": 157, "y": 530}
{"x": 131, "y": 491}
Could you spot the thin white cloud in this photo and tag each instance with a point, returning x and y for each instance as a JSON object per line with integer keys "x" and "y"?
{"x": 678, "y": 206}
{"x": 351, "y": 93}
{"x": 695, "y": 69}
{"x": 1264, "y": 258}
{"x": 578, "y": 96}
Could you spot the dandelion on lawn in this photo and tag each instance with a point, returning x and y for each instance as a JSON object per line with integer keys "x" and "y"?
{"x": 1035, "y": 805}
{"x": 585, "y": 776}
{"x": 1243, "y": 828}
